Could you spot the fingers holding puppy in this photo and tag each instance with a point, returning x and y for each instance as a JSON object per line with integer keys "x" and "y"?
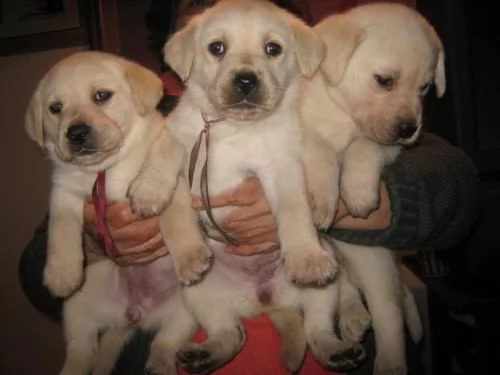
{"x": 137, "y": 240}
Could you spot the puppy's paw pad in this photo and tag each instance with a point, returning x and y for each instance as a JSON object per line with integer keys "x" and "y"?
{"x": 354, "y": 322}
{"x": 62, "y": 278}
{"x": 192, "y": 263}
{"x": 315, "y": 267}
{"x": 346, "y": 357}
{"x": 195, "y": 359}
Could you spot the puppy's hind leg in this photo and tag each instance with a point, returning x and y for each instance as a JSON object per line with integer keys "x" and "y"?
{"x": 177, "y": 327}
{"x": 376, "y": 275}
{"x": 320, "y": 305}
{"x": 353, "y": 318}
{"x": 326, "y": 347}
{"x": 412, "y": 316}
{"x": 290, "y": 326}
{"x": 110, "y": 346}
{"x": 82, "y": 346}
{"x": 217, "y": 312}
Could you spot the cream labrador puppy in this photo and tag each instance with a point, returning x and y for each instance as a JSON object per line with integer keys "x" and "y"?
{"x": 358, "y": 112}
{"x": 241, "y": 62}
{"x": 94, "y": 114}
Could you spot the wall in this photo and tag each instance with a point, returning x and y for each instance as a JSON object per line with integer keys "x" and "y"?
{"x": 29, "y": 342}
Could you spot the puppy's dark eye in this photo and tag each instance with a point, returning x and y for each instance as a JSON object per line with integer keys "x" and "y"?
{"x": 273, "y": 49}
{"x": 217, "y": 48}
{"x": 102, "y": 96}
{"x": 385, "y": 82}
{"x": 55, "y": 108}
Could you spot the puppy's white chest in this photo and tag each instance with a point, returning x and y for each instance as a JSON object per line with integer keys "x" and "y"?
{"x": 232, "y": 156}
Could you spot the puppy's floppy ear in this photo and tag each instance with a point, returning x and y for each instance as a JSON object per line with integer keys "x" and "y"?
{"x": 309, "y": 48}
{"x": 146, "y": 87}
{"x": 179, "y": 51}
{"x": 342, "y": 37}
{"x": 439, "y": 71}
{"x": 33, "y": 123}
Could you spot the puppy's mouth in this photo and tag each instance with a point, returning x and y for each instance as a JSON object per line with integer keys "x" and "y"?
{"x": 83, "y": 145}
{"x": 245, "y": 97}
{"x": 245, "y": 110}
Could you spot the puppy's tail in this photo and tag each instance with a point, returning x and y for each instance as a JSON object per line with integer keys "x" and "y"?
{"x": 412, "y": 316}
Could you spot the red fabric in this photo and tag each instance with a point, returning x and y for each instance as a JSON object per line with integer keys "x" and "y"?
{"x": 172, "y": 85}
{"x": 261, "y": 353}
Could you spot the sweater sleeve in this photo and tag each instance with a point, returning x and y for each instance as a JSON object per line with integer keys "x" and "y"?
{"x": 434, "y": 193}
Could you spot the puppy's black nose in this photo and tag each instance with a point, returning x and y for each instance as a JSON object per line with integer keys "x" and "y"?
{"x": 245, "y": 82}
{"x": 78, "y": 133}
{"x": 406, "y": 129}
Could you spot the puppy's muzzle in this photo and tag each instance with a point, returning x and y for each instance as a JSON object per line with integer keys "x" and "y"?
{"x": 79, "y": 137}
{"x": 246, "y": 83}
{"x": 406, "y": 129}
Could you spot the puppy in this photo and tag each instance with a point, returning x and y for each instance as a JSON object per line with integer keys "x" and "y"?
{"x": 94, "y": 114}
{"x": 241, "y": 62}
{"x": 363, "y": 106}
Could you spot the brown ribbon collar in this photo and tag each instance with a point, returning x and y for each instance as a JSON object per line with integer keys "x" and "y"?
{"x": 205, "y": 198}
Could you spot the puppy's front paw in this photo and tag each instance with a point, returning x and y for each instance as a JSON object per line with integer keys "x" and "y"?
{"x": 192, "y": 262}
{"x": 308, "y": 266}
{"x": 324, "y": 207}
{"x": 62, "y": 276}
{"x": 361, "y": 200}
{"x": 147, "y": 197}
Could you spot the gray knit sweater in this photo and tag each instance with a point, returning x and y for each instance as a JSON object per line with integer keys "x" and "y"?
{"x": 434, "y": 193}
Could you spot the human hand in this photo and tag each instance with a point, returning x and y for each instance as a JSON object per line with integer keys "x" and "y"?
{"x": 137, "y": 240}
{"x": 252, "y": 222}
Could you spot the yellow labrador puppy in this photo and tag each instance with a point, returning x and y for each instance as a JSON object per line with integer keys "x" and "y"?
{"x": 241, "y": 62}
{"x": 94, "y": 114}
{"x": 363, "y": 106}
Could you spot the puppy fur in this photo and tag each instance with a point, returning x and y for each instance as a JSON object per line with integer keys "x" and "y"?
{"x": 96, "y": 112}
{"x": 241, "y": 62}
{"x": 360, "y": 110}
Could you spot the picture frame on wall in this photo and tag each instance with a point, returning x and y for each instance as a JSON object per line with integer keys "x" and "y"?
{"x": 27, "y": 17}
{"x": 36, "y": 25}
